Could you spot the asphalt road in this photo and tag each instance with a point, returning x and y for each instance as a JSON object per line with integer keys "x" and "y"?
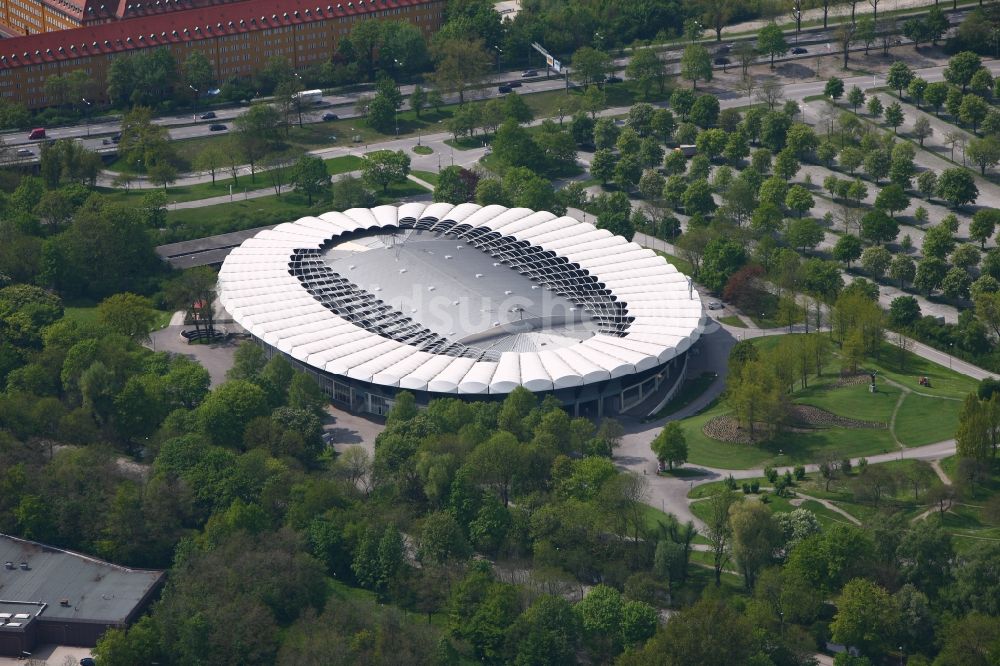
{"x": 188, "y": 126}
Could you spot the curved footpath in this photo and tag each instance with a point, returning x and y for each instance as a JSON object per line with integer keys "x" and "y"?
{"x": 670, "y": 494}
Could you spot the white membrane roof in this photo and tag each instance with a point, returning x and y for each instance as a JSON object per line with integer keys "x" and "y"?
{"x": 257, "y": 287}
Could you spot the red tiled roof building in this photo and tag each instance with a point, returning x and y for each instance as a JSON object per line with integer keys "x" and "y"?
{"x": 238, "y": 38}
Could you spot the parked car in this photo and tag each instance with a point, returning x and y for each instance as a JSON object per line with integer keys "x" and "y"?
{"x": 722, "y": 61}
{"x": 24, "y": 152}
{"x": 798, "y": 50}
{"x": 208, "y": 115}
{"x": 514, "y": 84}
{"x": 504, "y": 89}
{"x": 116, "y": 137}
{"x": 36, "y": 134}
{"x": 217, "y": 127}
{"x": 613, "y": 79}
{"x": 725, "y": 48}
{"x": 714, "y": 305}
{"x": 529, "y": 73}
{"x": 330, "y": 116}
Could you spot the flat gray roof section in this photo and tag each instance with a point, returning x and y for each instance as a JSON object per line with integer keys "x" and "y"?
{"x": 206, "y": 251}
{"x": 96, "y": 591}
{"x": 459, "y": 292}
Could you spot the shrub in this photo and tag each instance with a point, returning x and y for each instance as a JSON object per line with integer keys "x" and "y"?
{"x": 845, "y": 466}
{"x": 730, "y": 482}
{"x": 755, "y": 487}
{"x": 800, "y": 472}
{"x": 771, "y": 474}
{"x": 746, "y": 488}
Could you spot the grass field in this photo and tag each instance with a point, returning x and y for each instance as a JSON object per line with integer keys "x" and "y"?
{"x": 334, "y": 166}
{"x": 429, "y": 176}
{"x": 732, "y": 320}
{"x": 920, "y": 419}
{"x": 248, "y": 214}
{"x": 692, "y": 388}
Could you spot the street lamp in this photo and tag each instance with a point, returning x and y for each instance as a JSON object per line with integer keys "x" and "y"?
{"x": 86, "y": 113}
{"x": 195, "y": 117}
{"x": 499, "y": 53}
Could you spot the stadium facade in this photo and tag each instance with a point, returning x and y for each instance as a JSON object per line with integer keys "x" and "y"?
{"x": 465, "y": 301}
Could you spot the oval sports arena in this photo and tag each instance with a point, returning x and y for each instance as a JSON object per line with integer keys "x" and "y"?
{"x": 465, "y": 301}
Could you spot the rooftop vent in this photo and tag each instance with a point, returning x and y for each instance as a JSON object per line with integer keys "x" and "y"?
{"x": 64, "y": 603}
{"x": 8, "y": 565}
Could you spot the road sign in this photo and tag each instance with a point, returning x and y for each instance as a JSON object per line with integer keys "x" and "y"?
{"x": 549, "y": 60}
{"x": 556, "y": 65}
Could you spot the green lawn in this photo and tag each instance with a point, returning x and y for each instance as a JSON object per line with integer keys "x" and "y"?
{"x": 926, "y": 420}
{"x": 430, "y": 176}
{"x": 692, "y": 388}
{"x": 343, "y": 164}
{"x": 732, "y": 320}
{"x": 851, "y": 401}
{"x": 238, "y": 215}
{"x": 907, "y": 368}
{"x": 422, "y": 150}
{"x": 789, "y": 448}
{"x": 464, "y": 143}
{"x": 251, "y": 213}
{"x": 334, "y": 166}
{"x": 922, "y": 421}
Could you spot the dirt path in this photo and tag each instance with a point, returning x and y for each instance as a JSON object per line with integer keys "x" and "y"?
{"x": 936, "y": 466}
{"x": 895, "y": 410}
{"x": 829, "y": 505}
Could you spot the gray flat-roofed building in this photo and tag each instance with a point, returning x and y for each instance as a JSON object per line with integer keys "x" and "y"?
{"x": 69, "y": 598}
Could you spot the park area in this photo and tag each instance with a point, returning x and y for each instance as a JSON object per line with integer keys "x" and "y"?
{"x": 837, "y": 415}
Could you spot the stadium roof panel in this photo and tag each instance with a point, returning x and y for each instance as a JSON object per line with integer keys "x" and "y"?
{"x": 286, "y": 288}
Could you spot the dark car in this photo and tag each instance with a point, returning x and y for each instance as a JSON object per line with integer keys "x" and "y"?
{"x": 529, "y": 73}
{"x": 209, "y": 115}
{"x": 724, "y": 49}
{"x": 330, "y": 116}
{"x": 722, "y": 61}
{"x": 613, "y": 79}
{"x": 217, "y": 127}
{"x": 115, "y": 138}
{"x": 514, "y": 84}
{"x": 504, "y": 89}
{"x": 87, "y": 661}
{"x": 798, "y": 50}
